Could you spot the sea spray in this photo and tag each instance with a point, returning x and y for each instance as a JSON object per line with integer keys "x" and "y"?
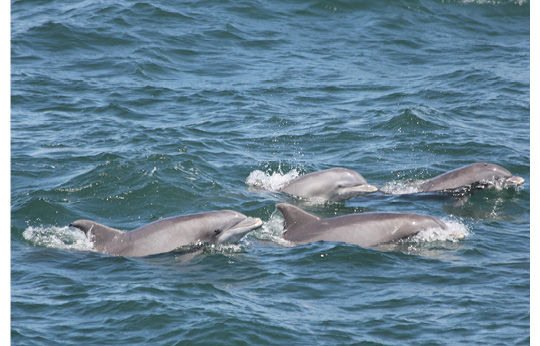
{"x": 63, "y": 238}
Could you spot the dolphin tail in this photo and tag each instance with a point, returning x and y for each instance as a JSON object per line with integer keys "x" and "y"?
{"x": 295, "y": 216}
{"x": 97, "y": 232}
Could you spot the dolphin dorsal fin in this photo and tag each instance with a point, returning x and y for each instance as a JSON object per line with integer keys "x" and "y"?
{"x": 295, "y": 216}
{"x": 97, "y": 232}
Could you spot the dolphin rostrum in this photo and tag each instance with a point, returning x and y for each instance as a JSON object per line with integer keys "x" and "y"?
{"x": 215, "y": 227}
{"x": 474, "y": 176}
{"x": 335, "y": 184}
{"x": 365, "y": 230}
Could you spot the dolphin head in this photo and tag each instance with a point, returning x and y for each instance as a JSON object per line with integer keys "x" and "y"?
{"x": 349, "y": 184}
{"x": 228, "y": 226}
{"x": 496, "y": 175}
{"x": 335, "y": 184}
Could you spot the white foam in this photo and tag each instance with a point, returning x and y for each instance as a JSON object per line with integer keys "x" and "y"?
{"x": 271, "y": 181}
{"x": 64, "y": 238}
{"x": 455, "y": 232}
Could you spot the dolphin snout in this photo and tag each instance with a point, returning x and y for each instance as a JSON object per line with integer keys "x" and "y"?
{"x": 255, "y": 222}
{"x": 365, "y": 188}
{"x": 239, "y": 230}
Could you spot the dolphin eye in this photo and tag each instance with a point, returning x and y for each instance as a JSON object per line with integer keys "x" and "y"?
{"x": 217, "y": 231}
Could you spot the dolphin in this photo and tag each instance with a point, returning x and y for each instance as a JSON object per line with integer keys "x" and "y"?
{"x": 215, "y": 227}
{"x": 474, "y": 176}
{"x": 366, "y": 230}
{"x": 335, "y": 184}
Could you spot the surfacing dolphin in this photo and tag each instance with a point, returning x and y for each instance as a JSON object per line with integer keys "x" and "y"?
{"x": 215, "y": 227}
{"x": 334, "y": 184}
{"x": 365, "y": 230}
{"x": 474, "y": 176}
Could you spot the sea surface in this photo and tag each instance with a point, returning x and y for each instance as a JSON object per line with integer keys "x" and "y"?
{"x": 128, "y": 112}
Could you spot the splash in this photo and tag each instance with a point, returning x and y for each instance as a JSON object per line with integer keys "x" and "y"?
{"x": 434, "y": 243}
{"x": 272, "y": 230}
{"x": 456, "y": 231}
{"x": 223, "y": 249}
{"x": 271, "y": 182}
{"x": 401, "y": 187}
{"x": 54, "y": 237}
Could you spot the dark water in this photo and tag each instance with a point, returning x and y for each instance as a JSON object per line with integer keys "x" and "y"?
{"x": 127, "y": 112}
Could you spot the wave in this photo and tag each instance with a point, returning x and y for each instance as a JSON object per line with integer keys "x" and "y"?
{"x": 414, "y": 119}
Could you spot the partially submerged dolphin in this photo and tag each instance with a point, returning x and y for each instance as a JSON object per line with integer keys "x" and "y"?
{"x": 365, "y": 230}
{"x": 335, "y": 184}
{"x": 215, "y": 227}
{"x": 474, "y": 176}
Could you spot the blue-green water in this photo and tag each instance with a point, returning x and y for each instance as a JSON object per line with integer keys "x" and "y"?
{"x": 127, "y": 112}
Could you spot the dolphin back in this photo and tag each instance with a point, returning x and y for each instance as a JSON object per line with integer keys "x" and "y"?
{"x": 369, "y": 229}
{"x": 295, "y": 218}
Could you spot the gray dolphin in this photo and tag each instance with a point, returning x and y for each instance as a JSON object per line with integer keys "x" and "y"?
{"x": 216, "y": 227}
{"x": 476, "y": 175}
{"x": 365, "y": 230}
{"x": 335, "y": 184}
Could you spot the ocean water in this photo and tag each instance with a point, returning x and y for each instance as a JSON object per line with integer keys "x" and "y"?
{"x": 127, "y": 112}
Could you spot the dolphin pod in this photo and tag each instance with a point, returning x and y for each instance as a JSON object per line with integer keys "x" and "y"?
{"x": 339, "y": 184}
{"x": 335, "y": 184}
{"x": 216, "y": 227}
